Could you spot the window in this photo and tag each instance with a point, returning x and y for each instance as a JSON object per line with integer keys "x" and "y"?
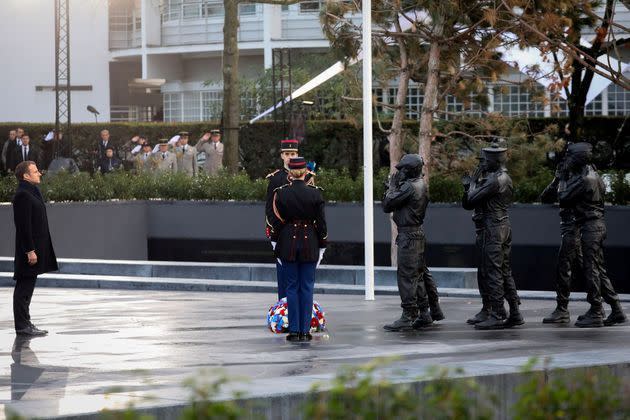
{"x": 192, "y": 106}
{"x": 455, "y": 108}
{"x": 311, "y": 6}
{"x": 517, "y": 101}
{"x": 211, "y": 105}
{"x": 246, "y": 9}
{"x": 172, "y": 107}
{"x": 618, "y": 100}
{"x": 594, "y": 107}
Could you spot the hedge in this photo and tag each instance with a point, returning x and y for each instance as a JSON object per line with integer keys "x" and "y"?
{"x": 338, "y": 144}
{"x": 338, "y": 186}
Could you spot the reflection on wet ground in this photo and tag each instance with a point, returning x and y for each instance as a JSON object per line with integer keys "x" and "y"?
{"x": 107, "y": 348}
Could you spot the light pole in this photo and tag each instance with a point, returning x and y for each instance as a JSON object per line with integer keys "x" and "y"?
{"x": 368, "y": 192}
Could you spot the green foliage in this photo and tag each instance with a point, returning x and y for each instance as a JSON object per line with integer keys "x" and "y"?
{"x": 445, "y": 189}
{"x": 553, "y": 394}
{"x": 205, "y": 402}
{"x": 357, "y": 393}
{"x": 620, "y": 186}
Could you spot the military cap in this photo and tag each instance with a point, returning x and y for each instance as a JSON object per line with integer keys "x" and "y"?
{"x": 297, "y": 163}
{"x": 494, "y": 148}
{"x": 184, "y": 133}
{"x": 215, "y": 131}
{"x": 163, "y": 142}
{"x": 289, "y": 145}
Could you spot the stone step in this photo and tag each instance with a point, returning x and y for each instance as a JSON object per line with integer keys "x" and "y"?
{"x": 331, "y": 274}
{"x": 84, "y": 281}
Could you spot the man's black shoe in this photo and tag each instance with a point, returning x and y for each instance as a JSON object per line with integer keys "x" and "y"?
{"x": 293, "y": 337}
{"x": 306, "y": 337}
{"x": 39, "y": 329}
{"x": 31, "y": 331}
{"x": 558, "y": 316}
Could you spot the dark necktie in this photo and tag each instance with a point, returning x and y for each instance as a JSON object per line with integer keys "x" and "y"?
{"x": 163, "y": 156}
{"x": 24, "y": 153}
{"x": 215, "y": 146}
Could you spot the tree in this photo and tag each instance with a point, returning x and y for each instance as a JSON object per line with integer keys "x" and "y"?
{"x": 557, "y": 29}
{"x": 231, "y": 99}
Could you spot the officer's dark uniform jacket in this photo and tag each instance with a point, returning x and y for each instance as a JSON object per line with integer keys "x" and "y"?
{"x": 277, "y": 179}
{"x": 492, "y": 195}
{"x": 408, "y": 202}
{"x": 298, "y": 222}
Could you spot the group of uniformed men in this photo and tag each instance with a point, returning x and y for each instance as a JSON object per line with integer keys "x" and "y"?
{"x": 174, "y": 155}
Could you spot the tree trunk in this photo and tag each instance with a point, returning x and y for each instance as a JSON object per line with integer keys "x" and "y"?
{"x": 430, "y": 98}
{"x": 395, "y": 137}
{"x": 231, "y": 96}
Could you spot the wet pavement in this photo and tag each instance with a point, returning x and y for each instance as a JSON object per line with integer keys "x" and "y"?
{"x": 108, "y": 348}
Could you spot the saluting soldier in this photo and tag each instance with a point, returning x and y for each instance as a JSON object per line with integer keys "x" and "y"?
{"x": 143, "y": 161}
{"x": 186, "y": 156}
{"x": 213, "y": 150}
{"x": 299, "y": 228}
{"x": 164, "y": 160}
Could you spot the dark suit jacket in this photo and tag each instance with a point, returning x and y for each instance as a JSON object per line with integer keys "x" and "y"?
{"x": 102, "y": 149}
{"x": 12, "y": 158}
{"x": 31, "y": 232}
{"x": 33, "y": 154}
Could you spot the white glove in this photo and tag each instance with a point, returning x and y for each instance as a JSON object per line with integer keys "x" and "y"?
{"x": 273, "y": 245}
{"x": 321, "y": 255}
{"x": 279, "y": 262}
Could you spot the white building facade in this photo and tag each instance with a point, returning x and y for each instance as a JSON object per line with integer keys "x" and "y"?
{"x": 161, "y": 60}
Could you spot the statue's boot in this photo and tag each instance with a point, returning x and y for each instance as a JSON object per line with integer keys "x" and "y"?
{"x": 591, "y": 319}
{"x": 617, "y": 316}
{"x": 494, "y": 320}
{"x": 436, "y": 312}
{"x": 515, "y": 318}
{"x": 404, "y": 323}
{"x": 480, "y": 316}
{"x": 602, "y": 313}
{"x": 423, "y": 320}
{"x": 560, "y": 315}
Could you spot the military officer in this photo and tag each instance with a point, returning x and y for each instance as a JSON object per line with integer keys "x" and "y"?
{"x": 213, "y": 150}
{"x": 299, "y": 228}
{"x": 490, "y": 196}
{"x": 584, "y": 195}
{"x": 407, "y": 198}
{"x": 163, "y": 160}
{"x": 278, "y": 178}
{"x": 186, "y": 156}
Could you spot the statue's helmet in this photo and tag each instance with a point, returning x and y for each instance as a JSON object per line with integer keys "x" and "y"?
{"x": 579, "y": 154}
{"x": 411, "y": 164}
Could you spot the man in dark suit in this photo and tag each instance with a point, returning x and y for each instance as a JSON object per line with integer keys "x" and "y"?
{"x": 111, "y": 163}
{"x": 8, "y": 152}
{"x": 34, "y": 253}
{"x": 103, "y": 144}
{"x": 26, "y": 152}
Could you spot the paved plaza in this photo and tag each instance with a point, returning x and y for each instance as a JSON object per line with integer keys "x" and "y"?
{"x": 108, "y": 348}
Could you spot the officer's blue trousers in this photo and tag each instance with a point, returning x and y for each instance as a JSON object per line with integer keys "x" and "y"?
{"x": 282, "y": 286}
{"x": 300, "y": 279}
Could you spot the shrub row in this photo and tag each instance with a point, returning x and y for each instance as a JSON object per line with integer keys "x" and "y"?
{"x": 338, "y": 186}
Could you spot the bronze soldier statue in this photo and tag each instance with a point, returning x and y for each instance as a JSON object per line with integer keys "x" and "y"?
{"x": 407, "y": 198}
{"x": 584, "y": 195}
{"x": 490, "y": 195}
{"x": 569, "y": 263}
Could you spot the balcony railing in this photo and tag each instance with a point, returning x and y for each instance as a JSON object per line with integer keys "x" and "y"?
{"x": 133, "y": 113}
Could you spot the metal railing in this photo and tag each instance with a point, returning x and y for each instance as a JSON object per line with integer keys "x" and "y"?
{"x": 134, "y": 113}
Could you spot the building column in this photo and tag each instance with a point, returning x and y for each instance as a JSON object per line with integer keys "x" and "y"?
{"x": 272, "y": 30}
